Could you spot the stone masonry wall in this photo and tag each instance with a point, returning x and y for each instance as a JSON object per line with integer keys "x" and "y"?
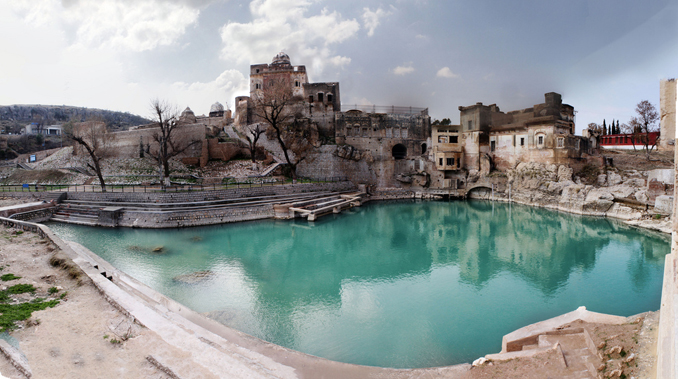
{"x": 191, "y": 218}
{"x": 184, "y": 197}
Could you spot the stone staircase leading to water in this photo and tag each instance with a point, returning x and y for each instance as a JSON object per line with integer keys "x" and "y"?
{"x": 563, "y": 337}
{"x": 77, "y": 214}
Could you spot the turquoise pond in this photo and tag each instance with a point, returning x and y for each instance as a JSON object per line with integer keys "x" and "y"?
{"x": 395, "y": 284}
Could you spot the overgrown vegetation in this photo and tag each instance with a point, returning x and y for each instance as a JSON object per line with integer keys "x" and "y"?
{"x": 74, "y": 272}
{"x": 589, "y": 174}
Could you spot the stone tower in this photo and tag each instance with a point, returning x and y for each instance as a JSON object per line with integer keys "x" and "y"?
{"x": 667, "y": 114}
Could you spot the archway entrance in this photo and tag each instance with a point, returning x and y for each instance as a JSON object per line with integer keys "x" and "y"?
{"x": 399, "y": 151}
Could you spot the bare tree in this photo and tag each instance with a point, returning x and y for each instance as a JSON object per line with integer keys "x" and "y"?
{"x": 168, "y": 145}
{"x": 253, "y": 134}
{"x": 644, "y": 124}
{"x": 93, "y": 137}
{"x": 278, "y": 108}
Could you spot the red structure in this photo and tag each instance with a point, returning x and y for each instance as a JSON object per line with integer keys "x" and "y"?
{"x": 627, "y": 141}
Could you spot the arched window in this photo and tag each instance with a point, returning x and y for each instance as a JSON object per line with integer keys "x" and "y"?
{"x": 423, "y": 148}
{"x": 329, "y": 97}
{"x": 320, "y": 97}
{"x": 399, "y": 151}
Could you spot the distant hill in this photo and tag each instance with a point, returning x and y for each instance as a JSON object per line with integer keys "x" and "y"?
{"x": 14, "y": 117}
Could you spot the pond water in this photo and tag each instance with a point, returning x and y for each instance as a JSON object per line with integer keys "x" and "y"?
{"x": 401, "y": 284}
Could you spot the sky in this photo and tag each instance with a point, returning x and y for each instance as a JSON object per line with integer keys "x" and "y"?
{"x": 603, "y": 56}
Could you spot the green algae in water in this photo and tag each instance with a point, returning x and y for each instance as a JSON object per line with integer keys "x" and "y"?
{"x": 396, "y": 284}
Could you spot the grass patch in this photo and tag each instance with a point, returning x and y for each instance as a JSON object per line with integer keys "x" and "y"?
{"x": 11, "y": 313}
{"x": 52, "y": 290}
{"x": 8, "y": 277}
{"x": 18, "y": 312}
{"x": 20, "y": 288}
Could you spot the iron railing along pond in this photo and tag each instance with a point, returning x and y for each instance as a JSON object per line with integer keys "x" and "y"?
{"x": 178, "y": 187}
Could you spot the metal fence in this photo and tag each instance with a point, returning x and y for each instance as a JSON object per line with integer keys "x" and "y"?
{"x": 226, "y": 184}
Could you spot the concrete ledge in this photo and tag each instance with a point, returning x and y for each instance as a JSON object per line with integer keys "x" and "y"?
{"x": 667, "y": 341}
{"x": 15, "y": 357}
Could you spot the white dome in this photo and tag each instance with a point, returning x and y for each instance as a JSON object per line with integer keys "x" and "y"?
{"x": 187, "y": 112}
{"x": 216, "y": 107}
{"x": 281, "y": 58}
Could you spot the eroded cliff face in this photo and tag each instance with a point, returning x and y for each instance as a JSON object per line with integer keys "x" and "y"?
{"x": 623, "y": 195}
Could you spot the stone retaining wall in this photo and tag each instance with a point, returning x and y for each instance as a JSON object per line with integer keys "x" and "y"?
{"x": 37, "y": 215}
{"x": 186, "y": 197}
{"x": 136, "y": 219}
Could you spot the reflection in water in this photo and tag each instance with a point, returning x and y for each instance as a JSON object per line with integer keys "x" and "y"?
{"x": 395, "y": 284}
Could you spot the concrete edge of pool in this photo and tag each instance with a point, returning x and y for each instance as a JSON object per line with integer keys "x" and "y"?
{"x": 222, "y": 350}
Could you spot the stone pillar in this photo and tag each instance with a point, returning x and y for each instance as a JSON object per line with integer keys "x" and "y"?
{"x": 667, "y": 114}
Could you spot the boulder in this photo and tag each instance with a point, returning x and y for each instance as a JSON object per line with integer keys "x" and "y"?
{"x": 635, "y": 182}
{"x": 641, "y": 196}
{"x": 565, "y": 174}
{"x": 613, "y": 178}
{"x": 598, "y": 200}
{"x": 602, "y": 180}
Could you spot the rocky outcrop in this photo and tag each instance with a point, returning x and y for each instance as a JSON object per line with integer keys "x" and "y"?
{"x": 614, "y": 194}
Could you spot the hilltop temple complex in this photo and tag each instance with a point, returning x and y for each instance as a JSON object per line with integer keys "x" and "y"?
{"x": 380, "y": 146}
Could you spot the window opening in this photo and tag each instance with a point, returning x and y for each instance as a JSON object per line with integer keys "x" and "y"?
{"x": 320, "y": 97}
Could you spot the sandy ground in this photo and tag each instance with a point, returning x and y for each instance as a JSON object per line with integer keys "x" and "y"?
{"x": 83, "y": 336}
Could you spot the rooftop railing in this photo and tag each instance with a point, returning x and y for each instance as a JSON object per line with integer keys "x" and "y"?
{"x": 392, "y": 109}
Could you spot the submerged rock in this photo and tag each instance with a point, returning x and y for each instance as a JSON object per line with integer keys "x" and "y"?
{"x": 196, "y": 239}
{"x": 194, "y": 277}
{"x": 141, "y": 249}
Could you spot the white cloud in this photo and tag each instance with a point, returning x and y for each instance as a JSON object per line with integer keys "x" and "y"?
{"x": 283, "y": 25}
{"x": 403, "y": 70}
{"x": 372, "y": 19}
{"x": 200, "y": 95}
{"x": 445, "y": 72}
{"x": 128, "y": 25}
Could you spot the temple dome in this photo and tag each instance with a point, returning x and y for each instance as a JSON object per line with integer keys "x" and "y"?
{"x": 281, "y": 58}
{"x": 187, "y": 115}
{"x": 216, "y": 107}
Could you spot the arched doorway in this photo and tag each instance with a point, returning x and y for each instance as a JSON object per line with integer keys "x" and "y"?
{"x": 399, "y": 151}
